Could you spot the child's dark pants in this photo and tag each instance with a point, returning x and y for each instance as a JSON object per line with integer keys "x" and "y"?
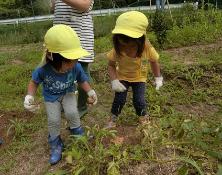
{"x": 139, "y": 101}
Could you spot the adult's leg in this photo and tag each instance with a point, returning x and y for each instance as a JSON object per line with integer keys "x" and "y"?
{"x": 158, "y": 4}
{"x": 162, "y": 3}
{"x": 82, "y": 95}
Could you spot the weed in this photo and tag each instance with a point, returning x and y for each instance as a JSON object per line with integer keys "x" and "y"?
{"x": 93, "y": 157}
{"x": 193, "y": 76}
{"x": 5, "y": 167}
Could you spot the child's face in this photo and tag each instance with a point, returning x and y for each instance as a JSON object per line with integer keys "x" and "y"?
{"x": 130, "y": 48}
{"x": 66, "y": 66}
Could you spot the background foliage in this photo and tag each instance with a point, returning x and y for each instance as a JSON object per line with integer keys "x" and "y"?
{"x": 24, "y": 8}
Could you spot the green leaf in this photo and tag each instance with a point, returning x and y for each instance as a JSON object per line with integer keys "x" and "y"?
{"x": 79, "y": 170}
{"x": 192, "y": 162}
{"x": 180, "y": 133}
{"x": 75, "y": 154}
{"x": 113, "y": 169}
{"x": 205, "y": 147}
{"x": 219, "y": 172}
{"x": 69, "y": 159}
{"x": 215, "y": 154}
{"x": 202, "y": 145}
{"x": 183, "y": 170}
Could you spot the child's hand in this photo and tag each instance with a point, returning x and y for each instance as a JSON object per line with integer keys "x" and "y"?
{"x": 29, "y": 103}
{"x": 158, "y": 82}
{"x": 90, "y": 101}
{"x": 117, "y": 86}
{"x": 92, "y": 97}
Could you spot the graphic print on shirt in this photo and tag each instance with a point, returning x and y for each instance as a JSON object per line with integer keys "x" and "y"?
{"x": 58, "y": 86}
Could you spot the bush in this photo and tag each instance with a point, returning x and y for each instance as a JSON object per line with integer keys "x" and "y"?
{"x": 13, "y": 13}
{"x": 160, "y": 24}
{"x": 41, "y": 7}
{"x": 100, "y": 29}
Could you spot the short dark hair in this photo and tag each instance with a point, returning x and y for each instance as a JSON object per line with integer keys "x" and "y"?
{"x": 139, "y": 41}
{"x": 56, "y": 60}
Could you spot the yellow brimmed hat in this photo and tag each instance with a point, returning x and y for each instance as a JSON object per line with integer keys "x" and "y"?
{"x": 132, "y": 24}
{"x": 63, "y": 39}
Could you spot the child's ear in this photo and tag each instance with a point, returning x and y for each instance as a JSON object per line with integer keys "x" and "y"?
{"x": 49, "y": 55}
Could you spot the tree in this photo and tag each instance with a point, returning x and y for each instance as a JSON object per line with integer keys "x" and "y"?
{"x": 7, "y": 3}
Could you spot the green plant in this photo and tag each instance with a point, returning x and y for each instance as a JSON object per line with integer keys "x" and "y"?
{"x": 41, "y": 7}
{"x": 5, "y": 167}
{"x": 193, "y": 163}
{"x": 18, "y": 126}
{"x": 194, "y": 75}
{"x": 92, "y": 156}
{"x": 160, "y": 25}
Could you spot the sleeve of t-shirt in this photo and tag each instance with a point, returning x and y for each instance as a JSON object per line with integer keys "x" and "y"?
{"x": 37, "y": 75}
{"x": 111, "y": 56}
{"x": 80, "y": 74}
{"x": 151, "y": 52}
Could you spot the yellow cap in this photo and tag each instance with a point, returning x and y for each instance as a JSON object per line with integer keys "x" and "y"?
{"x": 132, "y": 24}
{"x": 63, "y": 39}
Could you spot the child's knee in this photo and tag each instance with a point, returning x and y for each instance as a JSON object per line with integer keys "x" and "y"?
{"x": 71, "y": 114}
{"x": 54, "y": 121}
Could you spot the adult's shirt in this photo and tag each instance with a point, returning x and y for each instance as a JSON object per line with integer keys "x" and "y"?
{"x": 81, "y": 22}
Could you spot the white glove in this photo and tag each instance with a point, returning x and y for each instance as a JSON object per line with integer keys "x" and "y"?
{"x": 158, "y": 82}
{"x": 29, "y": 103}
{"x": 92, "y": 94}
{"x": 117, "y": 86}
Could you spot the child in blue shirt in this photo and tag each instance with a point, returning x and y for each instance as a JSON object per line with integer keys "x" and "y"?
{"x": 57, "y": 73}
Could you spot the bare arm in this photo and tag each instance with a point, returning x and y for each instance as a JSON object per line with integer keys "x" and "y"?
{"x": 32, "y": 88}
{"x": 80, "y": 5}
{"x": 112, "y": 70}
{"x": 85, "y": 86}
{"x": 155, "y": 68}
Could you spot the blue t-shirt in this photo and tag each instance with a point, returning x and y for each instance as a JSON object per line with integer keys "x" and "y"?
{"x": 57, "y": 84}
